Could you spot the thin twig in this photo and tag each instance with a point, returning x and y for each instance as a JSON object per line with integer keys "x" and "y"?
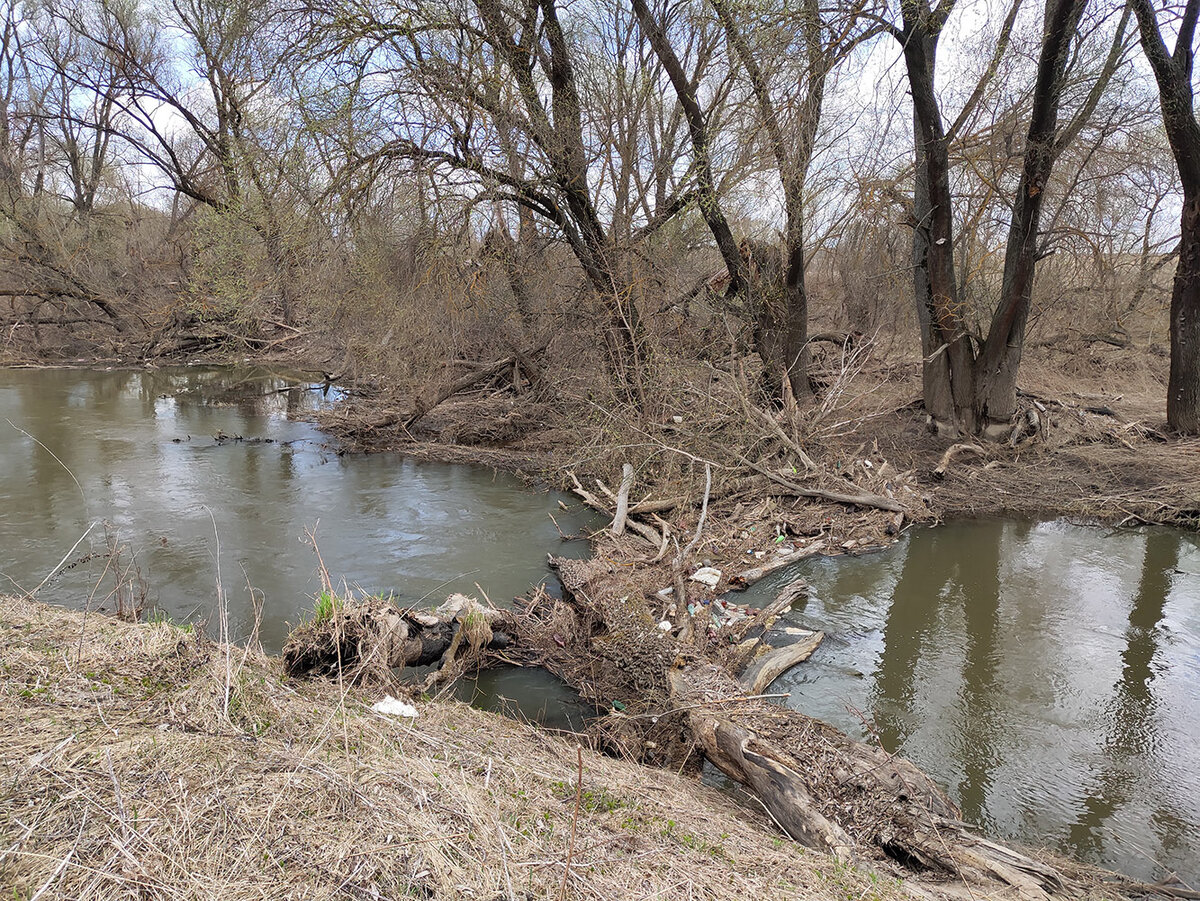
{"x": 703, "y": 515}
{"x": 54, "y": 572}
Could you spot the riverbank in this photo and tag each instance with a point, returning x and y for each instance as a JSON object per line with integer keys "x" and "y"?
{"x": 146, "y": 761}
{"x": 762, "y": 507}
{"x": 1101, "y": 452}
{"x": 1094, "y": 447}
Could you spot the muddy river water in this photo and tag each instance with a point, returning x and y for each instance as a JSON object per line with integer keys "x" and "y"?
{"x": 1048, "y": 674}
{"x": 154, "y": 460}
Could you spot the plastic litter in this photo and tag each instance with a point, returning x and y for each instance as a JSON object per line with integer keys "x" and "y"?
{"x": 707, "y": 575}
{"x": 390, "y": 706}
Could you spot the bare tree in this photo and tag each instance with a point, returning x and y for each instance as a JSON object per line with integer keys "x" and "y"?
{"x": 1173, "y": 72}
{"x": 46, "y": 266}
{"x": 472, "y": 82}
{"x": 787, "y": 59}
{"x": 218, "y": 132}
{"x": 970, "y": 383}
{"x": 78, "y": 124}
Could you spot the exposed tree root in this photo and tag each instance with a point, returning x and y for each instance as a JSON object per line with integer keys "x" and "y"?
{"x": 367, "y": 638}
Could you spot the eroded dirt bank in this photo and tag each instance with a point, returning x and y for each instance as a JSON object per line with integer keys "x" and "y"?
{"x": 142, "y": 761}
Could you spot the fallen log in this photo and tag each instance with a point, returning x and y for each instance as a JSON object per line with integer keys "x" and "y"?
{"x": 777, "y": 661}
{"x": 368, "y": 638}
{"x": 824, "y": 789}
{"x": 737, "y": 754}
{"x": 427, "y": 401}
{"x": 827, "y": 791}
{"x": 860, "y": 499}
{"x": 845, "y": 798}
{"x": 748, "y": 577}
{"x": 748, "y": 636}
{"x": 660, "y": 506}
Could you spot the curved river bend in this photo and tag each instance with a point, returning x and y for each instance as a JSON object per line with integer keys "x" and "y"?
{"x": 1047, "y": 674}
{"x": 153, "y": 457}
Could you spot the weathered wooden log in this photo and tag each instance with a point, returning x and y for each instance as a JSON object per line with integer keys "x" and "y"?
{"x": 618, "y": 523}
{"x": 736, "y": 753}
{"x": 748, "y": 577}
{"x": 648, "y": 532}
{"x": 372, "y": 636}
{"x": 774, "y": 662}
{"x": 857, "y": 499}
{"x": 823, "y": 788}
{"x": 747, "y": 635}
{"x": 834, "y": 794}
{"x": 953, "y": 451}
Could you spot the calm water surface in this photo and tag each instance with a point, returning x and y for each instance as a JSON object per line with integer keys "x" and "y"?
{"x": 147, "y": 460}
{"x": 1048, "y": 674}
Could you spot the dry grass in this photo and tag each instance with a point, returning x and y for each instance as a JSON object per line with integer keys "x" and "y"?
{"x": 145, "y": 762}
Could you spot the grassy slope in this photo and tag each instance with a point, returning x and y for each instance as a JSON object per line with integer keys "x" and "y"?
{"x": 126, "y": 773}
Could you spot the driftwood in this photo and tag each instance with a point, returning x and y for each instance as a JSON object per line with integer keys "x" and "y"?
{"x": 757, "y": 626}
{"x": 775, "y": 662}
{"x": 619, "y": 519}
{"x": 858, "y": 499}
{"x": 748, "y": 577}
{"x": 656, "y": 539}
{"x": 843, "y": 797}
{"x": 825, "y": 790}
{"x": 369, "y": 637}
{"x": 659, "y": 506}
{"x": 953, "y": 451}
{"x": 736, "y": 753}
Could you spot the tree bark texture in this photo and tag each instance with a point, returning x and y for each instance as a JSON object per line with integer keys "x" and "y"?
{"x": 1173, "y": 72}
{"x": 969, "y": 388}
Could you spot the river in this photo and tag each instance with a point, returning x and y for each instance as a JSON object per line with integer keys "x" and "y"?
{"x": 1048, "y": 674}
{"x": 152, "y": 462}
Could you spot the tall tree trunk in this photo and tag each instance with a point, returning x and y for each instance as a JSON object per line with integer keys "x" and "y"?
{"x": 1173, "y": 72}
{"x": 708, "y": 200}
{"x": 792, "y": 161}
{"x": 283, "y": 265}
{"x": 1183, "y": 387}
{"x": 973, "y": 390}
{"x": 935, "y": 363}
{"x": 795, "y": 319}
{"x": 942, "y": 315}
{"x": 1000, "y": 358}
